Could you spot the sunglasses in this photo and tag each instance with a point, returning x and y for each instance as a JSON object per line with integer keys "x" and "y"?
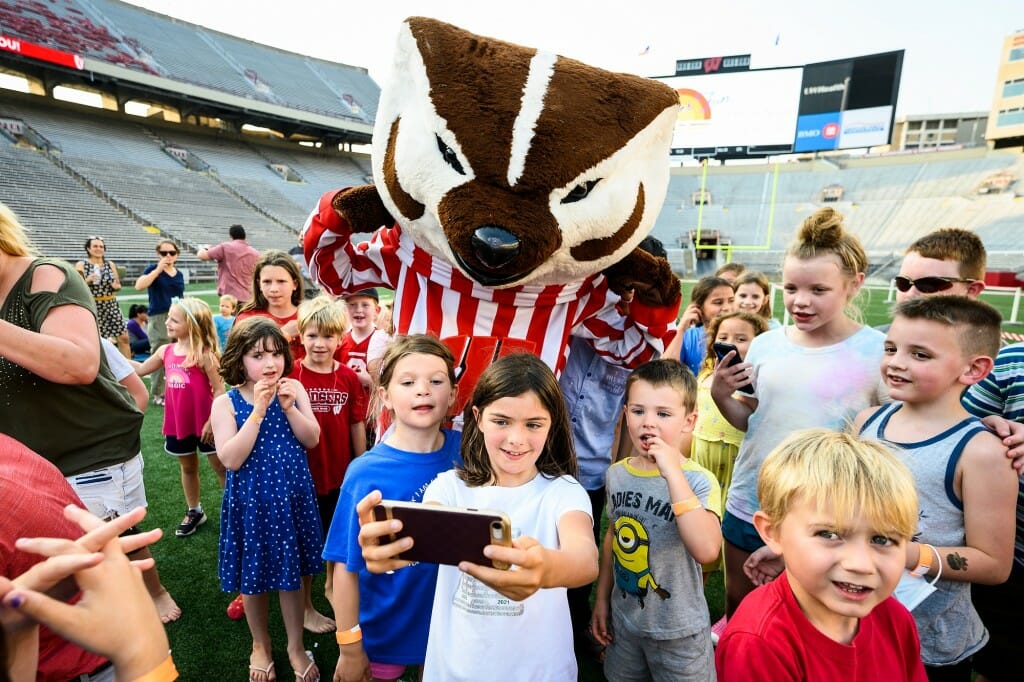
{"x": 928, "y": 285}
{"x": 175, "y": 253}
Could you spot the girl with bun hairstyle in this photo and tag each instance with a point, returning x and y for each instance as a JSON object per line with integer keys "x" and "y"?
{"x": 818, "y": 372}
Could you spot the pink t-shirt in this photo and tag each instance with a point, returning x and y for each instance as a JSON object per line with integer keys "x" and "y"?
{"x": 235, "y": 263}
{"x": 189, "y": 396}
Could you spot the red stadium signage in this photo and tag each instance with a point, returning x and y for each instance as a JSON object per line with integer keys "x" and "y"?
{"x": 43, "y": 54}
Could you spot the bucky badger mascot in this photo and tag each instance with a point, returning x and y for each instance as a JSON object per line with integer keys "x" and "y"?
{"x": 511, "y": 189}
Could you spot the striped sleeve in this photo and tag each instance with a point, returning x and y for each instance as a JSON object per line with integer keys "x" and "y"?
{"x": 339, "y": 265}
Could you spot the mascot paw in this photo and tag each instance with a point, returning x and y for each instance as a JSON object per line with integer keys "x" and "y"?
{"x": 650, "y": 279}
{"x": 362, "y": 208}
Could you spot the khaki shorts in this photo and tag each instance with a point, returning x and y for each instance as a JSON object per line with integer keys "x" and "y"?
{"x": 112, "y": 491}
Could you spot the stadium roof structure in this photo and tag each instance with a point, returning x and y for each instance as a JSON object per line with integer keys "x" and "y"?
{"x": 136, "y": 54}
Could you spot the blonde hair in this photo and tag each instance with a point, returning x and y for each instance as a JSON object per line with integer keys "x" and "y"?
{"x": 230, "y": 299}
{"x": 13, "y": 240}
{"x": 202, "y": 336}
{"x": 323, "y": 314}
{"x": 821, "y": 234}
{"x": 854, "y": 477}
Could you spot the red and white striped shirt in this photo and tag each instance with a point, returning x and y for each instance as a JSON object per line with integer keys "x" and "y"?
{"x": 478, "y": 323}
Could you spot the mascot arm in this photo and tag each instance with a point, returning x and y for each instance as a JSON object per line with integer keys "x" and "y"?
{"x": 649, "y": 278}
{"x": 333, "y": 261}
{"x": 632, "y": 339}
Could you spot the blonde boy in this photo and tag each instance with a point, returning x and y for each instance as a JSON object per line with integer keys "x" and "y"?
{"x": 663, "y": 523}
{"x": 228, "y": 306}
{"x": 841, "y": 512}
{"x": 338, "y": 403}
{"x": 936, "y": 347}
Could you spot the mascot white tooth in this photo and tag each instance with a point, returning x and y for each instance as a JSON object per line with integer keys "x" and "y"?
{"x": 511, "y": 189}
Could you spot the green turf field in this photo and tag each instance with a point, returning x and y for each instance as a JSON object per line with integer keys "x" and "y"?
{"x": 206, "y": 644}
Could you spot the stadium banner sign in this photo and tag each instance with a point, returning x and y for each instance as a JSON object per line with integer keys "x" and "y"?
{"x": 848, "y": 103}
{"x": 736, "y": 114}
{"x": 41, "y": 53}
{"x": 691, "y": 67}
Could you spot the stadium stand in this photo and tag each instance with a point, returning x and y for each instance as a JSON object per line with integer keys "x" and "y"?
{"x": 888, "y": 200}
{"x": 128, "y": 36}
{"x": 109, "y": 174}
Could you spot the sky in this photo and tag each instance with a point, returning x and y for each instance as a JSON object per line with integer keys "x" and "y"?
{"x": 952, "y": 47}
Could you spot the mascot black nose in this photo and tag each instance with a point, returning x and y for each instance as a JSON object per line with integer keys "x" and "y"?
{"x": 495, "y": 246}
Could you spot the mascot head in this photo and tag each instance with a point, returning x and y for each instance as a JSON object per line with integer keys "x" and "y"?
{"x": 518, "y": 166}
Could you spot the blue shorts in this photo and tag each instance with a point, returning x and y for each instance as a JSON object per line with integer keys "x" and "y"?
{"x": 741, "y": 534}
{"x": 187, "y": 446}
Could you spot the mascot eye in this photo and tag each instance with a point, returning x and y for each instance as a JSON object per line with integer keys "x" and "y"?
{"x": 449, "y": 156}
{"x": 580, "y": 191}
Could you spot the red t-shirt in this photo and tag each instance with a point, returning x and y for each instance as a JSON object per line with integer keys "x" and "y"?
{"x": 770, "y": 638}
{"x": 33, "y": 495}
{"x": 295, "y": 345}
{"x": 338, "y": 402}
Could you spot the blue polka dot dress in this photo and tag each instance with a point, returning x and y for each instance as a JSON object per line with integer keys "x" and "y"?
{"x": 270, "y": 528}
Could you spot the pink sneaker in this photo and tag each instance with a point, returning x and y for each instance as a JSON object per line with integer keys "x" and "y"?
{"x": 236, "y": 609}
{"x": 717, "y": 629}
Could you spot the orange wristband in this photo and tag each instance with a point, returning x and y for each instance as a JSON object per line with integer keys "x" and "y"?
{"x": 349, "y": 636}
{"x": 687, "y": 505}
{"x": 165, "y": 672}
{"x": 924, "y": 560}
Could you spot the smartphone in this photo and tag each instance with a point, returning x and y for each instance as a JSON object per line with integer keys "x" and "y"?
{"x": 721, "y": 350}
{"x": 447, "y": 535}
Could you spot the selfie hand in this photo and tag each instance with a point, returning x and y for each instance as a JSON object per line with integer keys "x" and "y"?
{"x": 379, "y": 558}
{"x": 529, "y": 565}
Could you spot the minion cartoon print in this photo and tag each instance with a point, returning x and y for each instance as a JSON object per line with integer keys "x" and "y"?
{"x": 631, "y": 551}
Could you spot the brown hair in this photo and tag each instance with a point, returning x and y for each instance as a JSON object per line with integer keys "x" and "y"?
{"x": 281, "y": 260}
{"x": 670, "y": 373}
{"x": 955, "y": 244}
{"x": 401, "y": 347}
{"x": 761, "y": 280}
{"x": 757, "y": 323}
{"x": 511, "y": 376}
{"x": 978, "y": 324}
{"x": 242, "y": 338}
{"x": 702, "y": 290}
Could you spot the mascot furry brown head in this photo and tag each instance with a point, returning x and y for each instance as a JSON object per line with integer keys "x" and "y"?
{"x": 511, "y": 189}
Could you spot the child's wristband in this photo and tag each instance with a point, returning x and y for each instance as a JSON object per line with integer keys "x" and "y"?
{"x": 165, "y": 672}
{"x": 924, "y": 560}
{"x": 349, "y": 636}
{"x": 688, "y": 505}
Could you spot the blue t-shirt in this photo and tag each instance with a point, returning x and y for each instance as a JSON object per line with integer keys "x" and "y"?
{"x": 163, "y": 289}
{"x": 694, "y": 348}
{"x": 223, "y": 325}
{"x": 394, "y": 609}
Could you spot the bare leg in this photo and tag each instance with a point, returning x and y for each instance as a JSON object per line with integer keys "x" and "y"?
{"x": 218, "y": 468}
{"x": 190, "y": 479}
{"x": 737, "y": 584}
{"x": 165, "y": 604}
{"x": 329, "y": 582}
{"x": 123, "y": 346}
{"x": 256, "y": 615}
{"x": 291, "y": 612}
{"x": 313, "y": 620}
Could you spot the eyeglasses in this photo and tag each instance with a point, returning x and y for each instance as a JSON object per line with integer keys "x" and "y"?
{"x": 168, "y": 253}
{"x": 928, "y": 285}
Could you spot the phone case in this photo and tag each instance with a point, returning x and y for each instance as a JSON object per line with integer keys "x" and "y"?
{"x": 447, "y": 535}
{"x": 721, "y": 350}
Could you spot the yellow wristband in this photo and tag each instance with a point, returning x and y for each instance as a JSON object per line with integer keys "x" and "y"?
{"x": 687, "y": 505}
{"x": 165, "y": 672}
{"x": 349, "y": 636}
{"x": 924, "y": 560}
{"x": 254, "y": 418}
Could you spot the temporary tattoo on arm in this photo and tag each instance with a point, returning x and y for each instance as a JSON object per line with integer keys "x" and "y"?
{"x": 956, "y": 562}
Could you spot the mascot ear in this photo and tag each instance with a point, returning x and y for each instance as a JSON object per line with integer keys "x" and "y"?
{"x": 362, "y": 208}
{"x": 650, "y": 278}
